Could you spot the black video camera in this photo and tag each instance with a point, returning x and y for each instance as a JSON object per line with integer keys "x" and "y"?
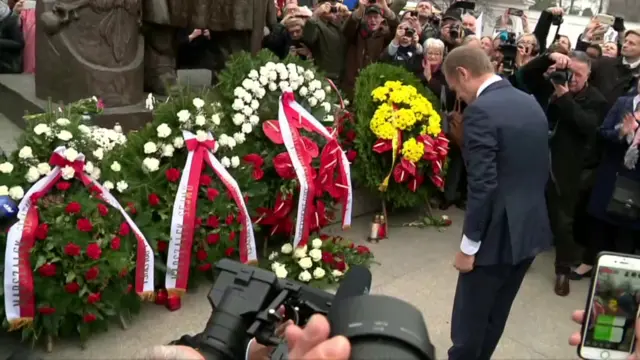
{"x": 246, "y": 299}
{"x": 560, "y": 77}
{"x": 465, "y": 5}
{"x": 410, "y": 32}
{"x": 509, "y": 51}
{"x": 456, "y": 31}
{"x": 334, "y": 9}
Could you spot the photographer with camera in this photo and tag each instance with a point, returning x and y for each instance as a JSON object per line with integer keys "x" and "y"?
{"x": 404, "y": 50}
{"x": 286, "y": 38}
{"x": 452, "y": 32}
{"x": 575, "y": 111}
{"x": 368, "y": 32}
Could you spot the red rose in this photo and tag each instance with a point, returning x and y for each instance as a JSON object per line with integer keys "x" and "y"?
{"x": 213, "y": 222}
{"x": 161, "y": 297}
{"x": 350, "y": 135}
{"x": 95, "y": 190}
{"x": 212, "y": 194}
{"x": 361, "y": 249}
{"x": 205, "y": 180}
{"x": 204, "y": 267}
{"x": 327, "y": 258}
{"x": 47, "y": 270}
{"x": 115, "y": 243}
{"x": 46, "y": 310}
{"x": 103, "y": 209}
{"x": 257, "y": 173}
{"x": 162, "y": 246}
{"x": 72, "y": 249}
{"x": 93, "y": 298}
{"x": 84, "y": 225}
{"x": 73, "y": 208}
{"x": 229, "y": 220}
{"x": 201, "y": 255}
{"x": 63, "y": 186}
{"x": 340, "y": 265}
{"x": 124, "y": 229}
{"x": 89, "y": 318}
{"x": 352, "y": 245}
{"x": 92, "y": 273}
{"x": 172, "y": 174}
{"x": 131, "y": 208}
{"x": 94, "y": 251}
{"x": 173, "y": 303}
{"x": 128, "y": 290}
{"x": 213, "y": 239}
{"x": 198, "y": 223}
{"x": 124, "y": 272}
{"x": 232, "y": 236}
{"x": 351, "y": 155}
{"x": 229, "y": 252}
{"x": 42, "y": 231}
{"x": 72, "y": 287}
{"x": 154, "y": 200}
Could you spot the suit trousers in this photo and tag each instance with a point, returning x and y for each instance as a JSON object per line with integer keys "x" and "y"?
{"x": 455, "y": 181}
{"x": 481, "y": 308}
{"x": 562, "y": 210}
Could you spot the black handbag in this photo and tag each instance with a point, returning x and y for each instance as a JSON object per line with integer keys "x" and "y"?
{"x": 625, "y": 200}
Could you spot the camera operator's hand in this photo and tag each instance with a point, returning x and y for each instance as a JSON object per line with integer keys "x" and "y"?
{"x": 415, "y": 39}
{"x": 196, "y": 33}
{"x": 560, "y": 89}
{"x": 322, "y": 10}
{"x": 313, "y": 342}
{"x": 561, "y": 61}
{"x": 558, "y": 11}
{"x": 343, "y": 10}
{"x": 261, "y": 352}
{"x": 525, "y": 22}
{"x": 400, "y": 31}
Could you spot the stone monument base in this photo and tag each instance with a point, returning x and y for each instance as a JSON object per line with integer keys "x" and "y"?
{"x": 18, "y": 97}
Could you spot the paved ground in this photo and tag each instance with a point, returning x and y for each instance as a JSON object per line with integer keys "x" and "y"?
{"x": 415, "y": 266}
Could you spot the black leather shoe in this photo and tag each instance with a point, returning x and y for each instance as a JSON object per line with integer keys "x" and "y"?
{"x": 575, "y": 276}
{"x": 562, "y": 285}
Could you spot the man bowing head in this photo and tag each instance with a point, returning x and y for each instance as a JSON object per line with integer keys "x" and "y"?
{"x": 506, "y": 154}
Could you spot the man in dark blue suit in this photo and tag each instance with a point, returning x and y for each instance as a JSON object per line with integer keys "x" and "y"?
{"x": 506, "y": 154}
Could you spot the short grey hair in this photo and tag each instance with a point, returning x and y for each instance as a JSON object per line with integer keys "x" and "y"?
{"x": 168, "y": 353}
{"x": 433, "y": 43}
{"x": 582, "y": 57}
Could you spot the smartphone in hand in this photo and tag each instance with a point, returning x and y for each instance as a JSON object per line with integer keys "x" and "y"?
{"x": 515, "y": 12}
{"x": 608, "y": 331}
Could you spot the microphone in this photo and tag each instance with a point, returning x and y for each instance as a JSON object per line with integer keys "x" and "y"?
{"x": 357, "y": 281}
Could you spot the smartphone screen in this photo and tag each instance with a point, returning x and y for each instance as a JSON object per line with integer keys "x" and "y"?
{"x": 610, "y": 325}
{"x": 516, "y": 12}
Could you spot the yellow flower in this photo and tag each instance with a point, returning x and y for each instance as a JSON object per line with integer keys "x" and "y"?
{"x": 380, "y": 94}
{"x": 412, "y": 150}
{"x": 434, "y": 128}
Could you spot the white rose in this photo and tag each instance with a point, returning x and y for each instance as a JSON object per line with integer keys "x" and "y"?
{"x": 63, "y": 122}
{"x": 270, "y": 65}
{"x": 44, "y": 168}
{"x": 315, "y": 254}
{"x": 284, "y": 86}
{"x": 167, "y": 150}
{"x": 248, "y": 84}
{"x": 215, "y": 119}
{"x": 108, "y": 185}
{"x": 88, "y": 167}
{"x": 235, "y": 162}
{"x": 84, "y": 129}
{"x": 32, "y": 174}
{"x": 42, "y": 129}
{"x": 273, "y": 87}
{"x": 309, "y": 75}
{"x": 255, "y": 104}
{"x": 64, "y": 135}
{"x": 198, "y": 103}
{"x": 225, "y": 162}
{"x": 121, "y": 186}
{"x": 294, "y": 85}
{"x": 304, "y": 91}
{"x": 300, "y": 70}
{"x": 326, "y": 106}
{"x": 304, "y": 276}
{"x": 95, "y": 174}
{"x": 319, "y": 94}
{"x": 346, "y": 102}
{"x": 300, "y": 252}
{"x": 239, "y": 138}
{"x": 319, "y": 273}
{"x": 223, "y": 140}
{"x": 246, "y": 128}
{"x": 150, "y": 148}
{"x": 117, "y": 128}
{"x": 239, "y": 92}
{"x": 337, "y": 273}
{"x": 286, "y": 249}
{"x": 150, "y": 164}
{"x": 98, "y": 153}
{"x": 231, "y": 143}
{"x": 6, "y": 168}
{"x": 178, "y": 143}
{"x": 163, "y": 131}
{"x": 263, "y": 80}
{"x": 305, "y": 263}
{"x": 71, "y": 154}
{"x": 247, "y": 111}
{"x": 201, "y": 120}
{"x": 4, "y": 190}
{"x": 315, "y": 85}
{"x": 183, "y": 115}
{"x": 238, "y": 104}
{"x": 281, "y": 272}
{"x": 254, "y": 120}
{"x": 273, "y": 255}
{"x": 25, "y": 153}
{"x": 273, "y": 76}
{"x": 115, "y": 166}
{"x": 313, "y": 102}
{"x": 238, "y": 119}
{"x": 328, "y": 118}
{"x": 16, "y": 193}
{"x": 253, "y": 74}
{"x": 67, "y": 172}
{"x": 149, "y": 102}
{"x": 276, "y": 265}
{"x": 327, "y": 89}
{"x": 316, "y": 243}
{"x": 261, "y": 93}
{"x": 201, "y": 136}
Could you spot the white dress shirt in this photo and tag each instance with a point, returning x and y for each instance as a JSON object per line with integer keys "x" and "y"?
{"x": 632, "y": 65}
{"x": 468, "y": 246}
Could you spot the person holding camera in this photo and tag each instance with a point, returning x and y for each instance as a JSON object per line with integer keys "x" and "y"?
{"x": 368, "y": 31}
{"x": 322, "y": 34}
{"x": 404, "y": 50}
{"x": 575, "y": 112}
{"x": 452, "y": 33}
{"x": 286, "y": 38}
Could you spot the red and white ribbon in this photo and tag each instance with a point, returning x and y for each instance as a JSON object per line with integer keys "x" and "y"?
{"x": 296, "y": 112}
{"x": 184, "y": 212}
{"x": 18, "y": 273}
{"x": 302, "y": 167}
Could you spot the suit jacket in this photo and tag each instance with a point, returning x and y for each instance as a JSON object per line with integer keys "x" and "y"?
{"x": 506, "y": 153}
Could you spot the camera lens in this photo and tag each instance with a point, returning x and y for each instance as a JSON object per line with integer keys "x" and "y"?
{"x": 381, "y": 327}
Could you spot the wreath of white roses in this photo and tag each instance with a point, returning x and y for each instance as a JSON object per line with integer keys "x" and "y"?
{"x": 273, "y": 77}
